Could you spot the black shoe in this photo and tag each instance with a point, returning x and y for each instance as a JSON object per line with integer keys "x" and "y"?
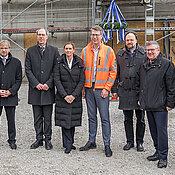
{"x": 73, "y": 147}
{"x": 162, "y": 163}
{"x": 36, "y": 144}
{"x": 140, "y": 147}
{"x": 67, "y": 150}
{"x": 154, "y": 157}
{"x": 108, "y": 151}
{"x": 13, "y": 145}
{"x": 128, "y": 146}
{"x": 48, "y": 145}
{"x": 88, "y": 146}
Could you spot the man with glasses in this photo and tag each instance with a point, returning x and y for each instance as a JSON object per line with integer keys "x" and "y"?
{"x": 157, "y": 91}
{"x": 129, "y": 59}
{"x": 10, "y": 82}
{"x": 39, "y": 64}
{"x": 100, "y": 74}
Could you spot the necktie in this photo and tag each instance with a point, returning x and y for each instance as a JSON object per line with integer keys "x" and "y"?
{"x": 42, "y": 50}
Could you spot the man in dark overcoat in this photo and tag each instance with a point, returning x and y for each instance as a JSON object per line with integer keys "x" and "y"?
{"x": 39, "y": 64}
{"x": 10, "y": 82}
{"x": 157, "y": 91}
{"x": 129, "y": 59}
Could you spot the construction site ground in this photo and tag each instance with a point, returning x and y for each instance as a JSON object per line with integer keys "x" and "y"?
{"x": 25, "y": 161}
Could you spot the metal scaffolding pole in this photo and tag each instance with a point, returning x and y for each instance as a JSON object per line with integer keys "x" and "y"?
{"x": 18, "y": 14}
{"x": 46, "y": 15}
{"x": 1, "y": 17}
{"x": 93, "y": 12}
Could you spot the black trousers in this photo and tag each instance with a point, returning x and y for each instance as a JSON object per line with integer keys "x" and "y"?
{"x": 43, "y": 121}
{"x": 158, "y": 122}
{"x": 10, "y": 114}
{"x": 68, "y": 137}
{"x": 140, "y": 125}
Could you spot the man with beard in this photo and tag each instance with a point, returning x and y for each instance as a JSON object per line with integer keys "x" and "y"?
{"x": 39, "y": 64}
{"x": 129, "y": 59}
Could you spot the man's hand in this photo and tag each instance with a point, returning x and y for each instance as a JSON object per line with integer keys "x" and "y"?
{"x": 115, "y": 95}
{"x": 45, "y": 87}
{"x": 2, "y": 92}
{"x": 104, "y": 93}
{"x": 39, "y": 86}
{"x": 168, "y": 108}
{"x": 138, "y": 103}
{"x": 83, "y": 93}
{"x": 5, "y": 93}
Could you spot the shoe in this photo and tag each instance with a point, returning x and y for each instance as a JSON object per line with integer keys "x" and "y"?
{"x": 73, "y": 147}
{"x": 36, "y": 144}
{"x": 162, "y": 163}
{"x": 108, "y": 151}
{"x": 48, "y": 145}
{"x": 88, "y": 146}
{"x": 154, "y": 157}
{"x": 128, "y": 146}
{"x": 67, "y": 150}
{"x": 140, "y": 147}
{"x": 13, "y": 145}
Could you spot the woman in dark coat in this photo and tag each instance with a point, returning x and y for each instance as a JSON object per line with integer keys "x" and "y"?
{"x": 69, "y": 79}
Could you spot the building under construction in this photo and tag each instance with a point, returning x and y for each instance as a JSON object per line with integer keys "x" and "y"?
{"x": 70, "y": 20}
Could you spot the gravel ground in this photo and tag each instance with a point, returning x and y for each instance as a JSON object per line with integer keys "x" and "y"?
{"x": 24, "y": 161}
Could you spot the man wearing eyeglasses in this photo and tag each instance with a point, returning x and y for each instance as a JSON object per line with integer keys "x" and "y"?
{"x": 129, "y": 59}
{"x": 100, "y": 74}
{"x": 10, "y": 82}
{"x": 157, "y": 92}
{"x": 39, "y": 64}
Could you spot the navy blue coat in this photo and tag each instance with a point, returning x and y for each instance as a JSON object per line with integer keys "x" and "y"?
{"x": 10, "y": 79}
{"x": 157, "y": 85}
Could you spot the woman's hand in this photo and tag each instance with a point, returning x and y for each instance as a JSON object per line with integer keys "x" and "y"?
{"x": 69, "y": 98}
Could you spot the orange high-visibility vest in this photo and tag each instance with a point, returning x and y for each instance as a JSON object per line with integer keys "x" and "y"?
{"x": 106, "y": 66}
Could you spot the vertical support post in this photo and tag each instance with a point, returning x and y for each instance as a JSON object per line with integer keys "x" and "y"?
{"x": 93, "y": 12}
{"x": 145, "y": 23}
{"x": 51, "y": 12}
{"x": 1, "y": 18}
{"x": 45, "y": 14}
{"x": 153, "y": 18}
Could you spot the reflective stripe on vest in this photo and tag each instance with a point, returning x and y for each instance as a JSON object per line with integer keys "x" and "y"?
{"x": 101, "y": 81}
{"x": 88, "y": 80}
{"x": 85, "y": 56}
{"x": 107, "y": 56}
{"x": 111, "y": 80}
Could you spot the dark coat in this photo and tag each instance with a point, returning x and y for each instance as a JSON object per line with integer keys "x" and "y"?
{"x": 127, "y": 66}
{"x": 69, "y": 82}
{"x": 39, "y": 69}
{"x": 157, "y": 85}
{"x": 10, "y": 79}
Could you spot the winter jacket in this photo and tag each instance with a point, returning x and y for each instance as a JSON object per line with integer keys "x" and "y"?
{"x": 39, "y": 69}
{"x": 69, "y": 82}
{"x": 106, "y": 66}
{"x": 157, "y": 85}
{"x": 127, "y": 67}
{"x": 10, "y": 79}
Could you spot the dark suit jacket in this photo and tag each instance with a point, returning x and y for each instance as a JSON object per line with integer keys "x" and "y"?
{"x": 10, "y": 79}
{"x": 39, "y": 69}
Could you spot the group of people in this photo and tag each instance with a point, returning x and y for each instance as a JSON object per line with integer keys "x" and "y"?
{"x": 142, "y": 79}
